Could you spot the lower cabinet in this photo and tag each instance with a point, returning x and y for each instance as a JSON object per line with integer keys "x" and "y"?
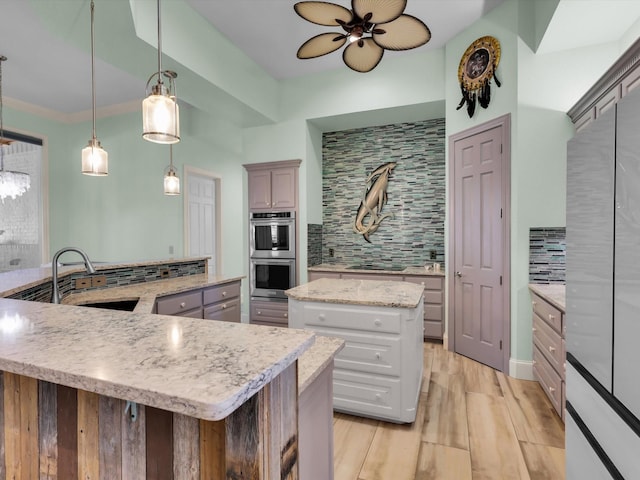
{"x": 220, "y": 302}
{"x": 549, "y": 351}
{"x": 270, "y": 312}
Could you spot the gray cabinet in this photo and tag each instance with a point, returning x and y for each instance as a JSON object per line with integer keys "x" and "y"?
{"x": 273, "y": 186}
{"x": 220, "y": 302}
{"x": 268, "y": 312}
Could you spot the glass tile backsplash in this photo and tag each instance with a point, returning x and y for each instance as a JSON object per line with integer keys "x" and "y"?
{"x": 547, "y": 255}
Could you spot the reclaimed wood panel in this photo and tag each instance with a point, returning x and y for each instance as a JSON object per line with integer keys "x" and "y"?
{"x": 3, "y": 469}
{"x": 271, "y": 420}
{"x": 67, "y": 420}
{"x": 288, "y": 407}
{"x": 48, "y": 430}
{"x": 212, "y": 450}
{"x": 12, "y": 425}
{"x": 88, "y": 436}
{"x": 242, "y": 442}
{"x": 110, "y": 437}
{"x": 134, "y": 450}
{"x": 186, "y": 445}
{"x": 159, "y": 442}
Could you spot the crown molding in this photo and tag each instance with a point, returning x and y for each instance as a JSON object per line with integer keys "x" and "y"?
{"x": 76, "y": 117}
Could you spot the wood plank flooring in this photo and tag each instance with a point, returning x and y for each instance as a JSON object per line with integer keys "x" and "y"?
{"x": 473, "y": 423}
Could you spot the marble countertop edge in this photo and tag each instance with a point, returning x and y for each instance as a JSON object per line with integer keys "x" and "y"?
{"x": 553, "y": 293}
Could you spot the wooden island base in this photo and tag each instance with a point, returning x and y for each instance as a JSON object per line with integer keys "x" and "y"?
{"x": 50, "y": 431}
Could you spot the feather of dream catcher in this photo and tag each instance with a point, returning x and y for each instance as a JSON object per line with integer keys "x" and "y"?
{"x": 477, "y": 67}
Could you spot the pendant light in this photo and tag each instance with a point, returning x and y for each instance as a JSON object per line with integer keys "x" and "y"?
{"x": 160, "y": 113}
{"x": 171, "y": 179}
{"x": 95, "y": 160}
{"x": 12, "y": 184}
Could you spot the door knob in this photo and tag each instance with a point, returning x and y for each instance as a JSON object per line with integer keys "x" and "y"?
{"x": 458, "y": 274}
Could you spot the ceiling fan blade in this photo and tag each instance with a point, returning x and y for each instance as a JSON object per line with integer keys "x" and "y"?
{"x": 403, "y": 33}
{"x": 323, "y": 13}
{"x": 363, "y": 58}
{"x": 321, "y": 45}
{"x": 382, "y": 10}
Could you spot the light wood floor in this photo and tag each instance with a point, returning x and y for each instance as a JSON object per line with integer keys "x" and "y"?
{"x": 473, "y": 423}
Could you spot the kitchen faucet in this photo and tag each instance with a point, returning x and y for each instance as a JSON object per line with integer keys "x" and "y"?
{"x": 55, "y": 292}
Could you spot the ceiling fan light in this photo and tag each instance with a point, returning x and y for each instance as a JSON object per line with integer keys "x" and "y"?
{"x": 403, "y": 33}
{"x": 95, "y": 159}
{"x": 381, "y": 11}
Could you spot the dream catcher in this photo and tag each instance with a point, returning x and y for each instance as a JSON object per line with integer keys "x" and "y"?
{"x": 477, "y": 66}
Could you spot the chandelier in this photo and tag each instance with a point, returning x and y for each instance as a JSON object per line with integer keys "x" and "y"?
{"x": 12, "y": 184}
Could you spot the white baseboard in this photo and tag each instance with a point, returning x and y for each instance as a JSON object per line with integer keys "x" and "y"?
{"x": 521, "y": 369}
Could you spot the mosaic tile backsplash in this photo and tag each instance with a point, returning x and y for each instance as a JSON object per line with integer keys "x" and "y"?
{"x": 547, "y": 255}
{"x": 314, "y": 244}
{"x": 416, "y": 193}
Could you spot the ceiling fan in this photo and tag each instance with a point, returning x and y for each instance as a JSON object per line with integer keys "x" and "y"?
{"x": 371, "y": 27}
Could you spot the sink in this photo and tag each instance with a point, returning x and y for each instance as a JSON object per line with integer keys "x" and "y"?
{"x": 388, "y": 268}
{"x": 126, "y": 305}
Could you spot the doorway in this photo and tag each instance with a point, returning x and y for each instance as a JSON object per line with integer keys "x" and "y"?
{"x": 479, "y": 243}
{"x": 202, "y": 216}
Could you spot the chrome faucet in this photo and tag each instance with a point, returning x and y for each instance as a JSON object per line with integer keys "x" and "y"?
{"x": 55, "y": 292}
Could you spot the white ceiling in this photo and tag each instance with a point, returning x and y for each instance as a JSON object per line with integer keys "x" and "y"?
{"x": 47, "y": 70}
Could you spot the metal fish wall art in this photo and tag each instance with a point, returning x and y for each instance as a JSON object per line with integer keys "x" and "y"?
{"x": 369, "y": 215}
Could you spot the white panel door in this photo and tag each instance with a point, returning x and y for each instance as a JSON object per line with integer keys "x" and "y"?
{"x": 202, "y": 218}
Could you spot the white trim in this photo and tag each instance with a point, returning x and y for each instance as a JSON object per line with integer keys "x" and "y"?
{"x": 521, "y": 369}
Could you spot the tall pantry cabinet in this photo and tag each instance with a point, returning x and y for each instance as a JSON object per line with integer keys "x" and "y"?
{"x": 603, "y": 294}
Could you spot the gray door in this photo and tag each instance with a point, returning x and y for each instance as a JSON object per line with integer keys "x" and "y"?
{"x": 478, "y": 290}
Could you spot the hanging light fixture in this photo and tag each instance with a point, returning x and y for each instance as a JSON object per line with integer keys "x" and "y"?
{"x": 160, "y": 113}
{"x": 12, "y": 184}
{"x": 95, "y": 160}
{"x": 171, "y": 179}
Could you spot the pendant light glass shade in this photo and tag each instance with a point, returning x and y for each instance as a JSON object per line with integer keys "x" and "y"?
{"x": 160, "y": 112}
{"x": 12, "y": 184}
{"x": 171, "y": 179}
{"x": 95, "y": 160}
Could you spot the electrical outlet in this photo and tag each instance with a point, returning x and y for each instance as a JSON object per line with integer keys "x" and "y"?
{"x": 331, "y": 252}
{"x": 432, "y": 254}
{"x": 170, "y": 249}
{"x": 99, "y": 281}
{"x": 84, "y": 282}
{"x": 165, "y": 273}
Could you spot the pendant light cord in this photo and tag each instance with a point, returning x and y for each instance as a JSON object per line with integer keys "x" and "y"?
{"x": 159, "y": 47}
{"x": 2, "y": 59}
{"x": 93, "y": 77}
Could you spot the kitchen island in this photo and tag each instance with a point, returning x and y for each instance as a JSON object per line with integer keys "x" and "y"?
{"x": 379, "y": 371}
{"x": 85, "y": 392}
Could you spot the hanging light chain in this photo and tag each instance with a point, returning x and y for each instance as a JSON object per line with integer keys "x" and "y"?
{"x": 159, "y": 46}
{"x": 2, "y": 59}
{"x": 93, "y": 77}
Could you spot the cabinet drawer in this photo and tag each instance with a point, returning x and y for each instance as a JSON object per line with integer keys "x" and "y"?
{"x": 366, "y": 353}
{"x": 226, "y": 311}
{"x": 549, "y": 343}
{"x": 195, "y": 313}
{"x": 270, "y": 313}
{"x": 429, "y": 282}
{"x": 547, "y": 312}
{"x": 371, "y": 276}
{"x": 432, "y": 329}
{"x": 221, "y": 292}
{"x": 361, "y": 393}
{"x": 351, "y": 319}
{"x": 433, "y": 312}
{"x": 175, "y": 304}
{"x": 433, "y": 296}
{"x": 549, "y": 380}
{"x": 316, "y": 275}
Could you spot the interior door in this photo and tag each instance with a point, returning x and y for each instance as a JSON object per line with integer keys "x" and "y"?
{"x": 478, "y": 251}
{"x": 202, "y": 218}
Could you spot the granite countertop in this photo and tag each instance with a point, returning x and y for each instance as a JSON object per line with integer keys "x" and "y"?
{"x": 203, "y": 369}
{"x": 316, "y": 359}
{"x": 147, "y": 292}
{"x": 359, "y": 292}
{"x": 552, "y": 293}
{"x": 344, "y": 268}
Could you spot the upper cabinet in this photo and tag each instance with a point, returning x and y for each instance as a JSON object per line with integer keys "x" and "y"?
{"x": 273, "y": 185}
{"x": 616, "y": 83}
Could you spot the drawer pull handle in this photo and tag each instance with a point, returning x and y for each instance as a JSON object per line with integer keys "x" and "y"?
{"x": 378, "y": 355}
{"x": 259, "y": 312}
{"x": 224, "y": 305}
{"x": 552, "y": 390}
{"x": 534, "y": 329}
{"x": 378, "y": 397}
{"x": 421, "y": 283}
{"x": 321, "y": 317}
{"x": 552, "y": 349}
{"x": 533, "y": 304}
{"x": 286, "y": 315}
{"x": 182, "y": 305}
{"x": 552, "y": 317}
{"x": 377, "y": 322}
{"x": 224, "y": 294}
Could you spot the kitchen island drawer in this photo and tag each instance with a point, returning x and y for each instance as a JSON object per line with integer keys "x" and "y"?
{"x": 221, "y": 292}
{"x": 177, "y": 304}
{"x": 549, "y": 380}
{"x": 227, "y": 311}
{"x": 547, "y": 312}
{"x": 362, "y": 393}
{"x": 372, "y": 321}
{"x": 549, "y": 342}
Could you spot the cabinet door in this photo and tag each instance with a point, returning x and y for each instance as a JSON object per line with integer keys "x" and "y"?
{"x": 259, "y": 189}
{"x": 283, "y": 187}
{"x": 627, "y": 251}
{"x": 589, "y": 256}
